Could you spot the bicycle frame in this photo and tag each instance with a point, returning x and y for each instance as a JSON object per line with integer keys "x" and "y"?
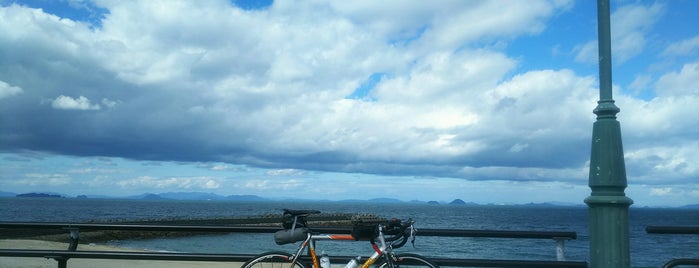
{"x": 312, "y": 238}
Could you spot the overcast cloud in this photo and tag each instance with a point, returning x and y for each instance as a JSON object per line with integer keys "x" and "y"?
{"x": 364, "y": 89}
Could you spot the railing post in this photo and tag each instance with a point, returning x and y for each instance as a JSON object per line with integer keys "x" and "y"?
{"x": 62, "y": 262}
{"x": 74, "y": 239}
{"x": 608, "y": 204}
{"x": 560, "y": 248}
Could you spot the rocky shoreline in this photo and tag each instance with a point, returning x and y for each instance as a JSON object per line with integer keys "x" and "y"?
{"x": 267, "y": 220}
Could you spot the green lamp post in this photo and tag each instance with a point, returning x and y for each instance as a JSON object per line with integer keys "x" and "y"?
{"x": 608, "y": 204}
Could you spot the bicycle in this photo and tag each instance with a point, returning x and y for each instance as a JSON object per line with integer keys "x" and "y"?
{"x": 296, "y": 230}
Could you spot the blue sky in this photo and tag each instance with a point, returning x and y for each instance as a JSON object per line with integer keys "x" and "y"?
{"x": 476, "y": 100}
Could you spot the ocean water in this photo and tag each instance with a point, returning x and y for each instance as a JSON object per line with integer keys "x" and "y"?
{"x": 647, "y": 250}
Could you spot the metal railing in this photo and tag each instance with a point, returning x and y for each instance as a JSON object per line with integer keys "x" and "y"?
{"x": 74, "y": 229}
{"x": 683, "y": 230}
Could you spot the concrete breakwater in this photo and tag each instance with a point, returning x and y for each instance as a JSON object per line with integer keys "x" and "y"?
{"x": 267, "y": 220}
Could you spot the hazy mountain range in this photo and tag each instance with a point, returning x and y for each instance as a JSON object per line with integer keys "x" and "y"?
{"x": 216, "y": 197}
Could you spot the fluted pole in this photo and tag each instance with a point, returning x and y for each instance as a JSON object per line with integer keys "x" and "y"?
{"x": 608, "y": 204}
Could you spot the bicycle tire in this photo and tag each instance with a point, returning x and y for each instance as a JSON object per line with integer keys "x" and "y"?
{"x": 273, "y": 259}
{"x": 408, "y": 260}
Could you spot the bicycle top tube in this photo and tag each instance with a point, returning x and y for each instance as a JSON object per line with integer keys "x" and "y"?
{"x": 332, "y": 237}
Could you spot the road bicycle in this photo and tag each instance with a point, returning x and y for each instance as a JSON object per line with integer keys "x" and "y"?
{"x": 389, "y": 235}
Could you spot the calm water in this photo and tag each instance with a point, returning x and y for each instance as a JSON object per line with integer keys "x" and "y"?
{"x": 647, "y": 250}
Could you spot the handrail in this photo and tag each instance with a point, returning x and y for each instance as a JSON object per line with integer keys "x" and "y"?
{"x": 167, "y": 256}
{"x": 678, "y": 262}
{"x": 672, "y": 229}
{"x": 272, "y": 229}
{"x": 682, "y": 230}
{"x": 61, "y": 256}
{"x": 497, "y": 233}
{"x": 137, "y": 227}
{"x": 125, "y": 255}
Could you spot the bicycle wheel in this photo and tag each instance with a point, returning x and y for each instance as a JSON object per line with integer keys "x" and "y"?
{"x": 409, "y": 260}
{"x": 276, "y": 259}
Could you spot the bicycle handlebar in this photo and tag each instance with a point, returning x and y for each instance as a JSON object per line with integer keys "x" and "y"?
{"x": 395, "y": 232}
{"x": 399, "y": 231}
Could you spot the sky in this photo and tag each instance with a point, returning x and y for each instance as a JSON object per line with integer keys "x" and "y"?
{"x": 485, "y": 101}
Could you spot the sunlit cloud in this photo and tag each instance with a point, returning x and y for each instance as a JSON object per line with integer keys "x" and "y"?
{"x": 7, "y": 90}
{"x": 79, "y": 103}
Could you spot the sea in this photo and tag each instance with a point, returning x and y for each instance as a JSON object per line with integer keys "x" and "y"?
{"x": 647, "y": 250}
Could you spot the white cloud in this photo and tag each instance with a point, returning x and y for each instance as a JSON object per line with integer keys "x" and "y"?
{"x": 266, "y": 184}
{"x": 660, "y": 134}
{"x": 109, "y": 103}
{"x": 694, "y": 193}
{"x": 43, "y": 179}
{"x": 284, "y": 172}
{"x": 219, "y": 167}
{"x": 683, "y": 48}
{"x": 150, "y": 182}
{"x": 660, "y": 191}
{"x": 682, "y": 84}
{"x": 587, "y": 52}
{"x": 630, "y": 26}
{"x": 669, "y": 113}
{"x": 640, "y": 82}
{"x": 7, "y": 90}
{"x": 68, "y": 103}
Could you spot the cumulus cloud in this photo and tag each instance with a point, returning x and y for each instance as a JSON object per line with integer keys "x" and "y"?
{"x": 151, "y": 182}
{"x": 630, "y": 25}
{"x": 204, "y": 81}
{"x": 79, "y": 103}
{"x": 683, "y": 48}
{"x": 660, "y": 133}
{"x": 660, "y": 191}
{"x": 284, "y": 172}
{"x": 7, "y": 90}
{"x": 266, "y": 184}
{"x": 682, "y": 83}
{"x": 38, "y": 179}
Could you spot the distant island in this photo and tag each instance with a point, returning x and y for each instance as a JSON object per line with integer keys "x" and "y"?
{"x": 457, "y": 202}
{"x": 41, "y": 195}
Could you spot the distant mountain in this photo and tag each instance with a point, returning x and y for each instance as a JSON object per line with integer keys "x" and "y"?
{"x": 42, "y": 195}
{"x": 145, "y": 196}
{"x": 212, "y": 196}
{"x": 385, "y": 200}
{"x": 191, "y": 196}
{"x": 457, "y": 202}
{"x": 152, "y": 196}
